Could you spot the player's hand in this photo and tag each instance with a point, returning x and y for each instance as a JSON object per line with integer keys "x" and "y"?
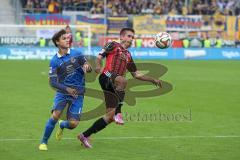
{"x": 72, "y": 92}
{"x": 98, "y": 70}
{"x": 157, "y": 82}
{"x": 87, "y": 68}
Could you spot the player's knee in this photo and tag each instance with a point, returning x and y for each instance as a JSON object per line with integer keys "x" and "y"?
{"x": 56, "y": 115}
{"x": 73, "y": 124}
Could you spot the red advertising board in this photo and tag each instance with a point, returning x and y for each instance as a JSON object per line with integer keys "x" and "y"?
{"x": 146, "y": 42}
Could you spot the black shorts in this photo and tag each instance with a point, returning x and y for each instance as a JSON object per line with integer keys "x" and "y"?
{"x": 111, "y": 99}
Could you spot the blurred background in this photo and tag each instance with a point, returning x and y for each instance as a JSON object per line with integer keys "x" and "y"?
{"x": 210, "y": 27}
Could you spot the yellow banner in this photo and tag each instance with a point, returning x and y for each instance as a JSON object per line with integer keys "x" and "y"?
{"x": 238, "y": 33}
{"x": 115, "y": 24}
{"x": 219, "y": 22}
{"x": 149, "y": 24}
{"x": 95, "y": 28}
{"x": 231, "y": 27}
{"x": 238, "y": 23}
{"x": 97, "y": 24}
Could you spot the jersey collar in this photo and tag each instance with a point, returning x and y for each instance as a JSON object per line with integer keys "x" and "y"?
{"x": 59, "y": 55}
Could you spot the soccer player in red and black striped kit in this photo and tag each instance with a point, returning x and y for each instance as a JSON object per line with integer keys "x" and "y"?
{"x": 113, "y": 82}
{"x": 69, "y": 35}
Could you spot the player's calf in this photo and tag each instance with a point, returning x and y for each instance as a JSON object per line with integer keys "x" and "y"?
{"x": 121, "y": 84}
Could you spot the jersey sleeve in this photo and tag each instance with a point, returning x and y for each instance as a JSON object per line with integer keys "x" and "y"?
{"x": 107, "y": 48}
{"x": 131, "y": 66}
{"x": 81, "y": 59}
{"x": 53, "y": 78}
{"x": 52, "y": 69}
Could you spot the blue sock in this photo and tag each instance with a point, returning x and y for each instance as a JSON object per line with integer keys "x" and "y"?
{"x": 48, "y": 130}
{"x": 65, "y": 124}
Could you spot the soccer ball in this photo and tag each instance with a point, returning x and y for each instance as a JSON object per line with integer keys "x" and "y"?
{"x": 163, "y": 40}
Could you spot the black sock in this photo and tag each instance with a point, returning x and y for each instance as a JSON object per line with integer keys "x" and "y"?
{"x": 96, "y": 127}
{"x": 121, "y": 95}
{"x": 118, "y": 109}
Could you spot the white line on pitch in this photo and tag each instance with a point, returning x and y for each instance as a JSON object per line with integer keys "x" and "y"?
{"x": 122, "y": 138}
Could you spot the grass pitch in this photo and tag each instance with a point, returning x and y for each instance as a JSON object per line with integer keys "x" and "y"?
{"x": 198, "y": 119}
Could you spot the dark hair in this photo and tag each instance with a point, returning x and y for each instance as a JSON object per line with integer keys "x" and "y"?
{"x": 123, "y": 30}
{"x": 57, "y": 36}
{"x": 67, "y": 27}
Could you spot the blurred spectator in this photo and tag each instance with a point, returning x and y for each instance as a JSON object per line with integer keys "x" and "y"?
{"x": 86, "y": 41}
{"x": 230, "y": 7}
{"x": 29, "y": 6}
{"x": 147, "y": 8}
{"x": 78, "y": 38}
{"x": 186, "y": 43}
{"x": 54, "y": 7}
{"x": 139, "y": 42}
{"x": 177, "y": 5}
{"x": 207, "y": 43}
{"x": 69, "y": 36}
{"x": 157, "y": 9}
{"x": 42, "y": 42}
{"x": 195, "y": 43}
{"x": 67, "y": 5}
{"x": 219, "y": 42}
{"x": 237, "y": 8}
{"x": 221, "y": 4}
{"x": 97, "y": 8}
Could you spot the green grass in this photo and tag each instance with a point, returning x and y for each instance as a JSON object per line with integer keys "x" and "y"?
{"x": 209, "y": 89}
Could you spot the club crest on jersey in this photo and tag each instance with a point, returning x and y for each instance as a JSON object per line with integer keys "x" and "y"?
{"x": 73, "y": 60}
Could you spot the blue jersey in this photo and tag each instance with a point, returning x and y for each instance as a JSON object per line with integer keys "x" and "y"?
{"x": 66, "y": 71}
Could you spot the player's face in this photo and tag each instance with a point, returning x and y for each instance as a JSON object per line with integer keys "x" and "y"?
{"x": 68, "y": 30}
{"x": 63, "y": 41}
{"x": 127, "y": 38}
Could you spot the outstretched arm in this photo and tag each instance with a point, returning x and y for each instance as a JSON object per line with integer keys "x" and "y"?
{"x": 138, "y": 75}
{"x": 132, "y": 68}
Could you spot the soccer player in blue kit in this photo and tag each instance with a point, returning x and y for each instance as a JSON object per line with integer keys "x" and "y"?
{"x": 66, "y": 76}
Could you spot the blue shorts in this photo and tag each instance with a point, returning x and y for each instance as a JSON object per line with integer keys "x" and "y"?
{"x": 74, "y": 109}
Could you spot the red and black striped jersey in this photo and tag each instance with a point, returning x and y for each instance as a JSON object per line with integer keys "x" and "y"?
{"x": 118, "y": 59}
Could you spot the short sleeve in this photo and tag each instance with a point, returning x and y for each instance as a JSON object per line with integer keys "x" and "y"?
{"x": 108, "y": 47}
{"x": 103, "y": 53}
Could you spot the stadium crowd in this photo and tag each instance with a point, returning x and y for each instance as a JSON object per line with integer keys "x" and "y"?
{"x": 124, "y": 7}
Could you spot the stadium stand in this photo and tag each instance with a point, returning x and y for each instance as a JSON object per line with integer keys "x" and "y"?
{"x": 123, "y": 7}
{"x": 213, "y": 17}
{"x": 7, "y": 13}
